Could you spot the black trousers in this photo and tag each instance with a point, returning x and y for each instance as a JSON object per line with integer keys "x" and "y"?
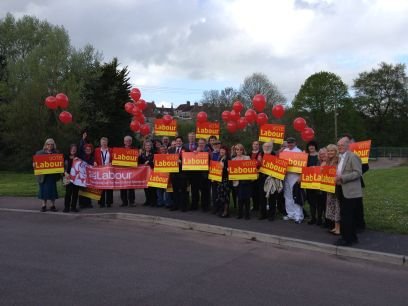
{"x": 71, "y": 196}
{"x": 214, "y": 195}
{"x": 106, "y": 198}
{"x": 127, "y": 196}
{"x": 359, "y": 215}
{"x": 151, "y": 196}
{"x": 180, "y": 194}
{"x": 256, "y": 188}
{"x": 281, "y": 203}
{"x": 313, "y": 200}
{"x": 347, "y": 213}
{"x": 200, "y": 191}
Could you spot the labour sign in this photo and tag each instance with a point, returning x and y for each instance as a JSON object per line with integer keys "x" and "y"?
{"x": 161, "y": 129}
{"x": 207, "y": 129}
{"x": 195, "y": 161}
{"x": 48, "y": 164}
{"x": 124, "y": 157}
{"x": 166, "y": 162}
{"x": 362, "y": 149}
{"x": 242, "y": 170}
{"x": 297, "y": 160}
{"x": 274, "y": 166}
{"x": 272, "y": 132}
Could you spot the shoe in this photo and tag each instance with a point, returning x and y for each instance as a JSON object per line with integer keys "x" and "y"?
{"x": 173, "y": 209}
{"x": 335, "y": 234}
{"x": 286, "y": 218}
{"x": 53, "y": 208}
{"x": 311, "y": 222}
{"x": 145, "y": 204}
{"x": 44, "y": 209}
{"x": 123, "y": 205}
{"x": 74, "y": 210}
{"x": 319, "y": 222}
{"x": 247, "y": 217}
{"x": 109, "y": 205}
{"x": 224, "y": 216}
{"x": 239, "y": 217}
{"x": 342, "y": 242}
{"x": 66, "y": 210}
{"x": 261, "y": 217}
{"x": 101, "y": 205}
{"x": 271, "y": 219}
{"x": 298, "y": 221}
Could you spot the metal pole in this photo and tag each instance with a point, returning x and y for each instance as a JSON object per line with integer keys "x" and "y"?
{"x": 335, "y": 121}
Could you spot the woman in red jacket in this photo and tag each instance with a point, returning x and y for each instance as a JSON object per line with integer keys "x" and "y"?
{"x": 103, "y": 157}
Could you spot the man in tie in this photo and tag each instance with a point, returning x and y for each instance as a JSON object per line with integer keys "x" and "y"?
{"x": 349, "y": 191}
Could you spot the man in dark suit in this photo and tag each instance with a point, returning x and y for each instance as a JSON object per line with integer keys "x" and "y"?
{"x": 349, "y": 191}
{"x": 191, "y": 146}
{"x": 179, "y": 180}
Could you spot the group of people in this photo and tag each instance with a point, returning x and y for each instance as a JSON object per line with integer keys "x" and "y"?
{"x": 341, "y": 212}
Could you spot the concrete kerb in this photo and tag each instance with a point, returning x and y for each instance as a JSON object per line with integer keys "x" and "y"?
{"x": 244, "y": 234}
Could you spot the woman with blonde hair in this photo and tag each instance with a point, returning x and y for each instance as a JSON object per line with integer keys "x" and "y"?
{"x": 332, "y": 203}
{"x": 243, "y": 187}
{"x": 47, "y": 183}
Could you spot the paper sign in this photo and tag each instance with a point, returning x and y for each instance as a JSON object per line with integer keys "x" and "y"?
{"x": 166, "y": 162}
{"x": 297, "y": 160}
{"x": 328, "y": 179}
{"x": 207, "y": 129}
{"x": 124, "y": 157}
{"x": 91, "y": 193}
{"x": 362, "y": 149}
{"x": 215, "y": 171}
{"x": 195, "y": 161}
{"x": 274, "y": 166}
{"x": 158, "y": 179}
{"x": 269, "y": 132}
{"x": 48, "y": 164}
{"x": 242, "y": 170}
{"x": 161, "y": 129}
{"x": 311, "y": 177}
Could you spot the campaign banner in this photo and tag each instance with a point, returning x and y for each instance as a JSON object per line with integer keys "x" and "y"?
{"x": 195, "y": 161}
{"x": 48, "y": 164}
{"x": 166, "y": 162}
{"x": 161, "y": 129}
{"x": 158, "y": 179}
{"x": 362, "y": 149}
{"x": 311, "y": 177}
{"x": 169, "y": 187}
{"x": 269, "y": 132}
{"x": 297, "y": 160}
{"x": 242, "y": 170}
{"x": 328, "y": 179}
{"x": 91, "y": 193}
{"x": 124, "y": 157}
{"x": 215, "y": 171}
{"x": 207, "y": 129}
{"x": 274, "y": 166}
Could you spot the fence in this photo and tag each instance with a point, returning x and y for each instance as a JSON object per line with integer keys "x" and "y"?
{"x": 389, "y": 152}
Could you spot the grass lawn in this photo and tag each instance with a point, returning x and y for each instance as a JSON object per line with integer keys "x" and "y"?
{"x": 385, "y": 196}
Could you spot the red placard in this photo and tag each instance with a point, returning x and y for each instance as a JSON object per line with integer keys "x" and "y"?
{"x": 207, "y": 129}
{"x": 274, "y": 166}
{"x": 94, "y": 194}
{"x": 269, "y": 132}
{"x": 195, "y": 161}
{"x": 161, "y": 129}
{"x": 362, "y": 149}
{"x": 311, "y": 177}
{"x": 109, "y": 177}
{"x": 125, "y": 157}
{"x": 166, "y": 162}
{"x": 215, "y": 171}
{"x": 297, "y": 160}
{"x": 158, "y": 179}
{"x": 242, "y": 170}
{"x": 328, "y": 180}
{"x": 48, "y": 164}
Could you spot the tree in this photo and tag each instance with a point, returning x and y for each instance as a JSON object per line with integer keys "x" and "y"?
{"x": 382, "y": 96}
{"x": 320, "y": 99}
{"x": 258, "y": 83}
{"x": 215, "y": 101}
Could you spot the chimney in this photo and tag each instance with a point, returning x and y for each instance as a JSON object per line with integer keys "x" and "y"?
{"x": 188, "y": 103}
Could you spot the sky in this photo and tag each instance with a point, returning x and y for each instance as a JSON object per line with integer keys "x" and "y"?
{"x": 176, "y": 49}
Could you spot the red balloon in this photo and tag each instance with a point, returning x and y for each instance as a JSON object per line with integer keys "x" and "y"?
{"x": 278, "y": 111}
{"x": 299, "y": 124}
{"x": 129, "y": 107}
{"x": 141, "y": 118}
{"x": 65, "y": 117}
{"x": 237, "y": 106}
{"x": 308, "y": 134}
{"x": 232, "y": 126}
{"x": 259, "y": 102}
{"x": 202, "y": 117}
{"x": 261, "y": 119}
{"x": 135, "y": 94}
{"x": 135, "y": 126}
{"x": 141, "y": 104}
{"x": 242, "y": 123}
{"x": 144, "y": 129}
{"x": 225, "y": 116}
{"x": 51, "y": 102}
{"x": 136, "y": 111}
{"x": 167, "y": 119}
{"x": 250, "y": 115}
{"x": 62, "y": 100}
{"x": 234, "y": 116}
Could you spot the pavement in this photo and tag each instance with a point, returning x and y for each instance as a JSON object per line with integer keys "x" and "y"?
{"x": 373, "y": 245}
{"x": 60, "y": 259}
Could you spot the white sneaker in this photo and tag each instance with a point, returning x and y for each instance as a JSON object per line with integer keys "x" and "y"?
{"x": 286, "y": 218}
{"x": 298, "y": 221}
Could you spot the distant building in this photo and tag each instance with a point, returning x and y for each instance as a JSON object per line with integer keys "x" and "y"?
{"x": 187, "y": 111}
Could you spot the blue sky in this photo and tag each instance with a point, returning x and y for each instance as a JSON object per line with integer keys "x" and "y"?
{"x": 177, "y": 49}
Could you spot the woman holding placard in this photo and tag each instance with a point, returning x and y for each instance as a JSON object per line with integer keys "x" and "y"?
{"x": 223, "y": 187}
{"x": 48, "y": 182}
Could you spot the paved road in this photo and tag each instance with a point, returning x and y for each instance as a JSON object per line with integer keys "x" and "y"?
{"x": 49, "y": 259}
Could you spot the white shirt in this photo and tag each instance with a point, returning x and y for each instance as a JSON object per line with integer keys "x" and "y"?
{"x": 341, "y": 162}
